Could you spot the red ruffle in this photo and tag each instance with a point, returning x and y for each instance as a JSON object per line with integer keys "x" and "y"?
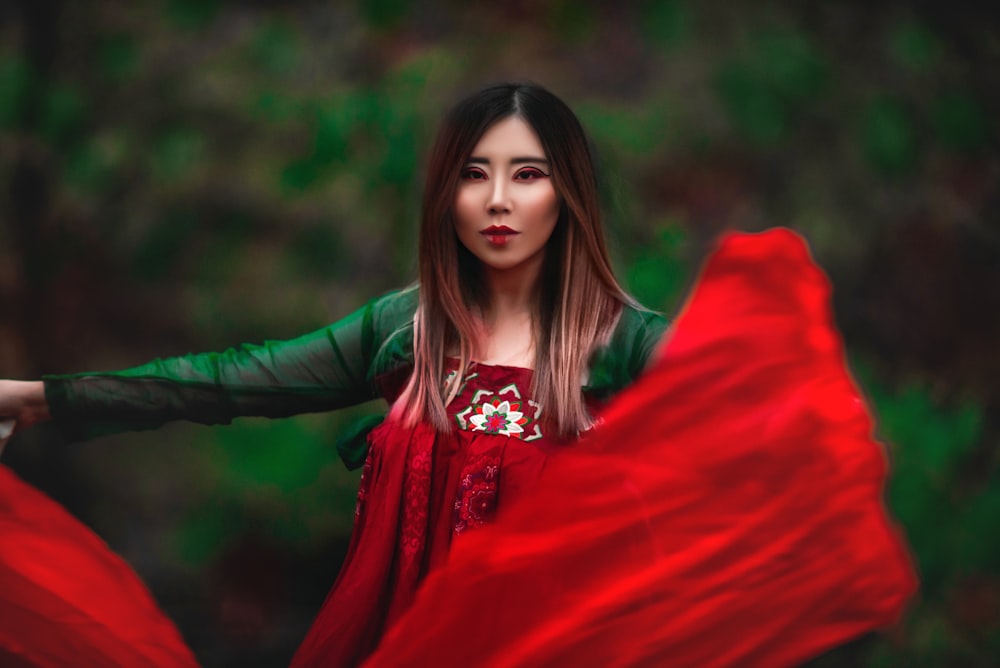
{"x": 727, "y": 510}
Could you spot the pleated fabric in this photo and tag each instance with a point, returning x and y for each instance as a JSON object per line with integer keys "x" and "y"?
{"x": 727, "y": 510}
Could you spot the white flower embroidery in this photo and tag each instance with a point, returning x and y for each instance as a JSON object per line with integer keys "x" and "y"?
{"x": 498, "y": 417}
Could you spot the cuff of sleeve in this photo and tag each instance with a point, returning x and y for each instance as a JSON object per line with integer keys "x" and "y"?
{"x": 73, "y": 417}
{"x": 58, "y": 395}
{"x": 353, "y": 442}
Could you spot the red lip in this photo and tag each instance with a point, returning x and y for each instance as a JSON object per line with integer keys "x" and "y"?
{"x": 498, "y": 235}
{"x": 498, "y": 229}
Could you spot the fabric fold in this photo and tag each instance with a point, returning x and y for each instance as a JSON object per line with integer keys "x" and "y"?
{"x": 66, "y": 599}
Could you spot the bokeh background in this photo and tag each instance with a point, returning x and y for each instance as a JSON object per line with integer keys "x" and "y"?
{"x": 186, "y": 175}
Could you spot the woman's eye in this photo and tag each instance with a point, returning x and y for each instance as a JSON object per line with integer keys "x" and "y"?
{"x": 473, "y": 174}
{"x": 530, "y": 174}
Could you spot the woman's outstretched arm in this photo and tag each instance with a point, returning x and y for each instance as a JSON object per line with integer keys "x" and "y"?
{"x": 324, "y": 370}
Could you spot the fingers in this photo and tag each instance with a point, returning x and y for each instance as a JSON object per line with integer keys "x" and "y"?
{"x": 6, "y": 429}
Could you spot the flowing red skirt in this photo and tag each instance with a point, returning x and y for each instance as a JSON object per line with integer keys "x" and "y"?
{"x": 726, "y": 511}
{"x": 68, "y": 600}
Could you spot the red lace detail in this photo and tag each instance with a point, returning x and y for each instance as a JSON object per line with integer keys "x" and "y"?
{"x": 413, "y": 524}
{"x": 476, "y": 498}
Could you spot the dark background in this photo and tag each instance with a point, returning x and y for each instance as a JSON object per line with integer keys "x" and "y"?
{"x": 186, "y": 175}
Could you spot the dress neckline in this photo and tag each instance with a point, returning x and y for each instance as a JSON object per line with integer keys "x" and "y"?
{"x": 474, "y": 364}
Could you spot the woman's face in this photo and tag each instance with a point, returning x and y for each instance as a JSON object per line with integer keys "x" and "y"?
{"x": 506, "y": 206}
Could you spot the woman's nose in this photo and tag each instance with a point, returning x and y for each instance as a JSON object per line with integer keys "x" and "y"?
{"x": 499, "y": 200}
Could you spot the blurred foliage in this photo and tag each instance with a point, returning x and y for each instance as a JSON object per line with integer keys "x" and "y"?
{"x": 767, "y": 83}
{"x": 15, "y": 77}
{"x": 183, "y": 175}
{"x": 659, "y": 271}
{"x": 889, "y": 137}
{"x": 382, "y": 14}
{"x": 278, "y": 478}
{"x": 665, "y": 22}
{"x": 945, "y": 516}
{"x": 913, "y": 45}
{"x": 960, "y": 122}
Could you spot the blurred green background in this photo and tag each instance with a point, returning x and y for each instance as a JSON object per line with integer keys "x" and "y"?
{"x": 185, "y": 175}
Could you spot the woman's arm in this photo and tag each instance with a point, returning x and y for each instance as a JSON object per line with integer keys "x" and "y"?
{"x": 326, "y": 369}
{"x": 24, "y": 402}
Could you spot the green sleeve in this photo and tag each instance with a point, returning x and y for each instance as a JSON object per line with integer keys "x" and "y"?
{"x": 615, "y": 366}
{"x": 331, "y": 368}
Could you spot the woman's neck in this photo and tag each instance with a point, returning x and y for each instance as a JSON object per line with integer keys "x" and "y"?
{"x": 508, "y": 322}
{"x": 510, "y": 292}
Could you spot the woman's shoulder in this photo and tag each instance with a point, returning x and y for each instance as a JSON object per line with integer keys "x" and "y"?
{"x": 394, "y": 309}
{"x": 637, "y": 319}
{"x": 616, "y": 365}
{"x": 391, "y": 325}
{"x": 638, "y": 331}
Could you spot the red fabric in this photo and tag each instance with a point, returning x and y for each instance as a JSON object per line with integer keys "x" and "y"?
{"x": 420, "y": 490}
{"x": 727, "y": 510}
{"x": 66, "y": 599}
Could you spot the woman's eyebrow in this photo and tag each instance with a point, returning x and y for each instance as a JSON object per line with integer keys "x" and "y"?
{"x": 514, "y": 161}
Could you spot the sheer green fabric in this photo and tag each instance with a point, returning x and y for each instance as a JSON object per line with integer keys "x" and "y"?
{"x": 330, "y": 368}
{"x": 334, "y": 367}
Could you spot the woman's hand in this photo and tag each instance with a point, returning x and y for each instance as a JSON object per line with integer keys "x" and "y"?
{"x": 24, "y": 402}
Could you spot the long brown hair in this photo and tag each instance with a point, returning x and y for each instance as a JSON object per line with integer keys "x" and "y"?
{"x": 578, "y": 298}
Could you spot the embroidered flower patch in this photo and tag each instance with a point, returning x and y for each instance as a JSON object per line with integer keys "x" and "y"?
{"x": 498, "y": 417}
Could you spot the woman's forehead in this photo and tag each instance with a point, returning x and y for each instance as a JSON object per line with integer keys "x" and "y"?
{"x": 508, "y": 139}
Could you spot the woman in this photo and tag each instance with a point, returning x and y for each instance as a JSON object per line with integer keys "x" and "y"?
{"x": 515, "y": 333}
{"x": 516, "y": 293}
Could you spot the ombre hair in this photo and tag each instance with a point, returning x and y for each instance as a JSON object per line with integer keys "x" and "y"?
{"x": 578, "y": 300}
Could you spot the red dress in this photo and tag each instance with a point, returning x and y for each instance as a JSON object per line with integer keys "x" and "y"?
{"x": 420, "y": 490}
{"x": 726, "y": 511}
